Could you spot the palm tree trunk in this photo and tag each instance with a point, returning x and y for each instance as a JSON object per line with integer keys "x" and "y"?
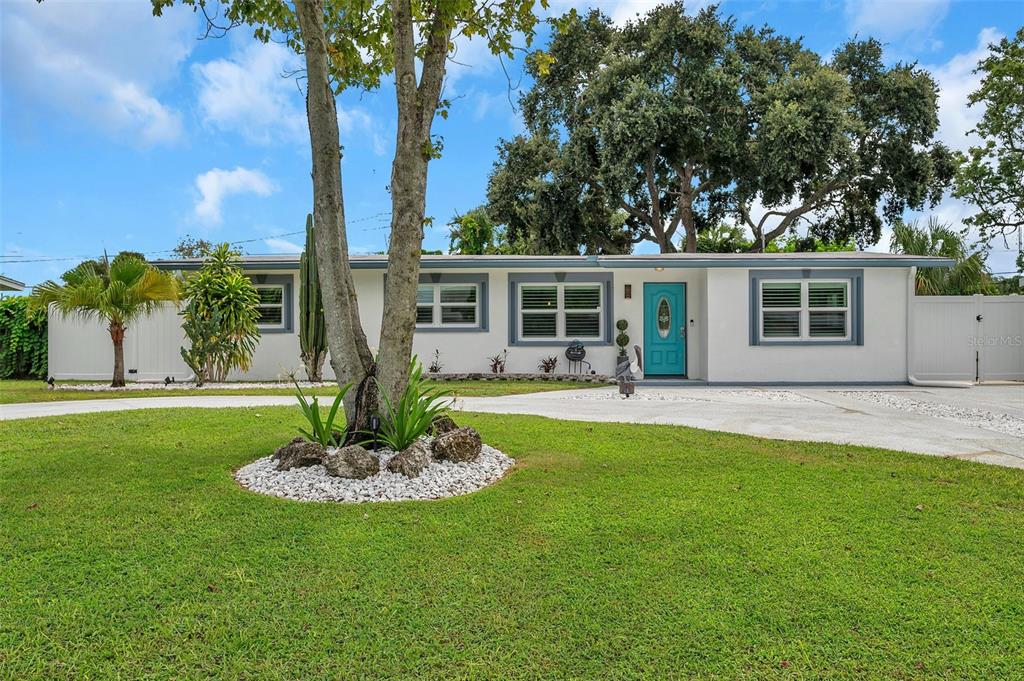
{"x": 117, "y": 336}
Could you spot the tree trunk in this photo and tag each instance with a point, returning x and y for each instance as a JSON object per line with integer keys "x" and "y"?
{"x": 350, "y": 354}
{"x": 417, "y": 105}
{"x": 117, "y": 336}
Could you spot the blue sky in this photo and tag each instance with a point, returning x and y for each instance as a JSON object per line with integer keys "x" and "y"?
{"x": 124, "y": 131}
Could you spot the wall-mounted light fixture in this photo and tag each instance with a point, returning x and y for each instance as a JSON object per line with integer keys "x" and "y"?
{"x": 628, "y": 292}
{"x": 659, "y": 269}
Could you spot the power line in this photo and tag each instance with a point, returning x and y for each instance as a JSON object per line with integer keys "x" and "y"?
{"x": 15, "y": 260}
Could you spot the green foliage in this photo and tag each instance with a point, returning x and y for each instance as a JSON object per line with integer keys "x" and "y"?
{"x": 992, "y": 174}
{"x": 191, "y": 247}
{"x": 207, "y": 340}
{"x": 23, "y": 342}
{"x": 219, "y": 291}
{"x": 681, "y": 119}
{"x": 966, "y": 277}
{"x": 312, "y": 325}
{"x": 322, "y": 431}
{"x": 622, "y": 338}
{"x": 409, "y": 418}
{"x": 475, "y": 233}
{"x": 723, "y": 238}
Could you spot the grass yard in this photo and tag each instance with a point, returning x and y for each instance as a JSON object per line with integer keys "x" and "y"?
{"x": 13, "y": 391}
{"x": 609, "y": 551}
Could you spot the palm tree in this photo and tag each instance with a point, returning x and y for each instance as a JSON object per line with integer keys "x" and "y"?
{"x": 119, "y": 293}
{"x": 967, "y": 276}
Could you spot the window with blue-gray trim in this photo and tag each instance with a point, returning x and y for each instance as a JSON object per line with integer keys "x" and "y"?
{"x": 275, "y": 302}
{"x": 556, "y": 308}
{"x": 806, "y": 307}
{"x": 451, "y": 302}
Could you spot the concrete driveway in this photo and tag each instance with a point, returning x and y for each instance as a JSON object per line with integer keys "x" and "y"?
{"x": 985, "y": 423}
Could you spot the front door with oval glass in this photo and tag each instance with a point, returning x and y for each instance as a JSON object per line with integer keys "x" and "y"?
{"x": 664, "y": 329}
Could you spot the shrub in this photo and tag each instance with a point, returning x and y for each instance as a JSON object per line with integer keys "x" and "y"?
{"x": 435, "y": 364}
{"x": 22, "y": 339}
{"x": 409, "y": 419}
{"x": 498, "y": 362}
{"x": 548, "y": 364}
{"x": 220, "y": 291}
{"x": 622, "y": 340}
{"x": 322, "y": 431}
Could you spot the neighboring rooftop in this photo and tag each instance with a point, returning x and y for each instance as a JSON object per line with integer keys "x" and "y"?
{"x": 8, "y": 284}
{"x": 670, "y": 260}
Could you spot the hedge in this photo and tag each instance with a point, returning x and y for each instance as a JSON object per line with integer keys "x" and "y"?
{"x": 22, "y": 340}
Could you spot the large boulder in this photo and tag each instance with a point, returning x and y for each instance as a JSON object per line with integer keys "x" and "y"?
{"x": 411, "y": 461}
{"x": 351, "y": 462}
{"x": 461, "y": 444}
{"x": 442, "y": 424}
{"x": 298, "y": 453}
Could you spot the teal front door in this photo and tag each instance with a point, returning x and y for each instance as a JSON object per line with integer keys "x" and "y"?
{"x": 665, "y": 329}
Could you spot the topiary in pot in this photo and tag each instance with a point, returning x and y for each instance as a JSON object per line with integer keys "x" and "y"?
{"x": 622, "y": 340}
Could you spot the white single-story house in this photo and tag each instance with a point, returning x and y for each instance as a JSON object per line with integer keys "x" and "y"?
{"x": 717, "y": 318}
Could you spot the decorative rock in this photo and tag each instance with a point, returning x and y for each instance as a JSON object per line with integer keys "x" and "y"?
{"x": 411, "y": 461}
{"x": 298, "y": 453}
{"x": 442, "y": 424}
{"x": 461, "y": 444}
{"x": 351, "y": 462}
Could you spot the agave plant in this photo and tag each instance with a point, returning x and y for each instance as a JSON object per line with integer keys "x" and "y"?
{"x": 322, "y": 431}
{"x": 410, "y": 417}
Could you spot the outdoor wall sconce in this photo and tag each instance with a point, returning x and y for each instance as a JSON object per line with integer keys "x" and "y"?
{"x": 628, "y": 293}
{"x": 659, "y": 269}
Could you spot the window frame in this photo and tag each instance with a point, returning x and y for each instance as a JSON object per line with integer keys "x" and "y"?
{"x": 854, "y": 310}
{"x": 561, "y": 312}
{"x": 804, "y": 310}
{"x": 285, "y": 283}
{"x": 437, "y": 279}
{"x": 517, "y": 282}
{"x": 437, "y": 306}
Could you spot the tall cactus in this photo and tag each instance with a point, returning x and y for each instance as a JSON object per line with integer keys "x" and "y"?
{"x": 312, "y": 330}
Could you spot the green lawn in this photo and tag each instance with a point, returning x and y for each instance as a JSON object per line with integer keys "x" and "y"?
{"x": 12, "y": 391}
{"x": 126, "y": 549}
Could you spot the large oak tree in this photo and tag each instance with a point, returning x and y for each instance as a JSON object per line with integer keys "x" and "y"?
{"x": 357, "y": 43}
{"x": 677, "y": 121}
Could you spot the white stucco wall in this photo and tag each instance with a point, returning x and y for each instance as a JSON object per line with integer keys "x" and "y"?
{"x": 882, "y": 357}
{"x": 718, "y": 345}
{"x": 83, "y": 350}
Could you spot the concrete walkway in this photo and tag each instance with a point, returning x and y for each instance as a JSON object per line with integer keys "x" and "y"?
{"x": 980, "y": 424}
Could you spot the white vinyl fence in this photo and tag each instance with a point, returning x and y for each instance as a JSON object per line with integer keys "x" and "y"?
{"x": 967, "y": 338}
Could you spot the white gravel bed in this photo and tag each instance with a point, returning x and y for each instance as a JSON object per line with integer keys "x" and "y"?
{"x": 141, "y": 387}
{"x": 438, "y": 480}
{"x": 980, "y": 418}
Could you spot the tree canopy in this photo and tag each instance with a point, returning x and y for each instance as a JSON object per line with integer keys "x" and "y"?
{"x": 678, "y": 121}
{"x": 992, "y": 176}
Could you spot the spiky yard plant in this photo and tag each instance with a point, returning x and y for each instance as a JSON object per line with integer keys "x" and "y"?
{"x": 409, "y": 418}
{"x": 320, "y": 430}
{"x": 127, "y": 289}
{"x": 312, "y": 327}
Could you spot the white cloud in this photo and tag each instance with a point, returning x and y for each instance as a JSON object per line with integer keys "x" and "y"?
{"x": 215, "y": 185}
{"x": 890, "y": 19}
{"x": 956, "y": 81}
{"x": 248, "y": 93}
{"x": 80, "y": 61}
{"x": 278, "y": 245}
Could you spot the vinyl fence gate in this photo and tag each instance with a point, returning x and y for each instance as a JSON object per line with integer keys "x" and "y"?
{"x": 968, "y": 338}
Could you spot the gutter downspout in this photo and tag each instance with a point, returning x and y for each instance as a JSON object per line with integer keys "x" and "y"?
{"x": 911, "y": 379}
